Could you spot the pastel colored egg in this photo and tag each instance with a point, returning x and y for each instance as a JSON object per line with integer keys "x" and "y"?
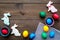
{"x": 55, "y": 16}
{"x": 52, "y": 34}
{"x": 44, "y": 35}
{"x": 25, "y": 33}
{"x": 42, "y": 14}
{"x": 32, "y": 36}
{"x": 46, "y": 28}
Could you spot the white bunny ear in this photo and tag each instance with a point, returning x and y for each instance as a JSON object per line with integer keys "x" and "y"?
{"x": 50, "y": 2}
{"x": 4, "y": 14}
{"x": 15, "y": 25}
{"x": 8, "y": 14}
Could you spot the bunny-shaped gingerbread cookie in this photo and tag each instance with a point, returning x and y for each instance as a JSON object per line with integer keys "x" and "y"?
{"x": 6, "y": 18}
{"x": 51, "y": 7}
{"x": 15, "y": 31}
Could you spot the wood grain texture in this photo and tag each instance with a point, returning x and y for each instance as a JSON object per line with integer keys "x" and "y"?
{"x": 28, "y": 1}
{"x": 25, "y": 13}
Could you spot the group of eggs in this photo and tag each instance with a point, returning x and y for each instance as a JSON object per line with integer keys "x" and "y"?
{"x": 25, "y": 34}
{"x": 50, "y": 22}
{"x": 44, "y": 35}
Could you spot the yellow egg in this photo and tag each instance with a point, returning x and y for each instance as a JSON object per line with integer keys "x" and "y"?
{"x": 25, "y": 33}
{"x": 46, "y": 28}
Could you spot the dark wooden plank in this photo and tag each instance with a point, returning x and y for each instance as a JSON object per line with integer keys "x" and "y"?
{"x": 40, "y": 1}
{"x": 28, "y": 1}
{"x": 11, "y": 1}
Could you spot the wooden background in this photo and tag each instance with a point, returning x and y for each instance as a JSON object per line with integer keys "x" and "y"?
{"x": 25, "y": 13}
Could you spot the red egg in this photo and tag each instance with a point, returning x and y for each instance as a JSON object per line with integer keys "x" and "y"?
{"x": 4, "y": 31}
{"x": 55, "y": 16}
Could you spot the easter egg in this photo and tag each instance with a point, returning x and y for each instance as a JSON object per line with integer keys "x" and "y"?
{"x": 52, "y": 34}
{"x": 4, "y": 31}
{"x": 46, "y": 28}
{"x": 32, "y": 36}
{"x": 55, "y": 16}
{"x": 42, "y": 14}
{"x": 44, "y": 35}
{"x": 25, "y": 33}
{"x": 49, "y": 21}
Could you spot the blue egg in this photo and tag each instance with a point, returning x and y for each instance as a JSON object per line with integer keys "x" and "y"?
{"x": 32, "y": 36}
{"x": 49, "y": 21}
{"x": 52, "y": 34}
